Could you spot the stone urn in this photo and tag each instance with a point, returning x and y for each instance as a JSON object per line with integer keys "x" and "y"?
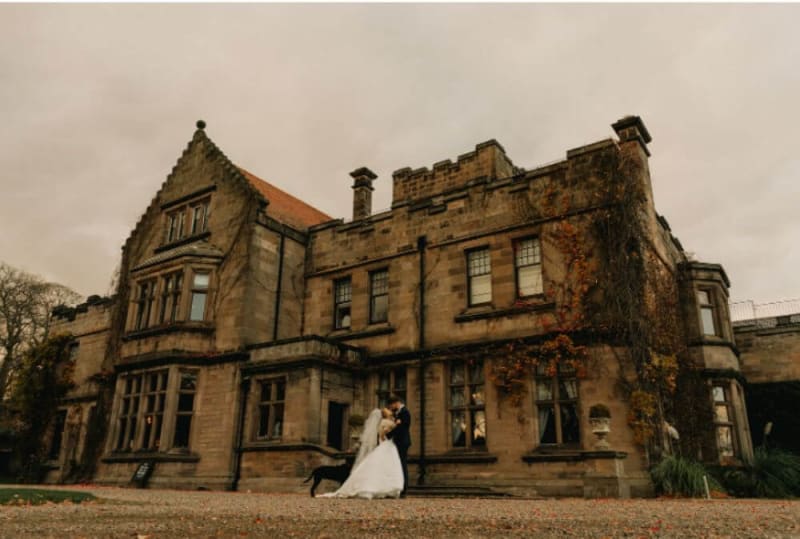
{"x": 600, "y": 420}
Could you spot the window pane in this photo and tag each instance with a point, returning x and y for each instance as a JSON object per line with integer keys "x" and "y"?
{"x": 200, "y": 280}
{"x": 725, "y": 441}
{"x": 185, "y": 402}
{"x": 476, "y": 396}
{"x": 547, "y": 425}
{"x": 343, "y": 291}
{"x": 266, "y": 391}
{"x": 567, "y": 389}
{"x": 479, "y": 263}
{"x": 702, "y": 297}
{"x": 544, "y": 390}
{"x": 707, "y": 318}
{"x": 719, "y": 394}
{"x": 343, "y": 316}
{"x": 527, "y": 252}
{"x": 530, "y": 280}
{"x": 570, "y": 426}
{"x": 263, "y": 421}
{"x": 459, "y": 429}
{"x": 721, "y": 413}
{"x": 456, "y": 373}
{"x": 183, "y": 425}
{"x": 380, "y": 309}
{"x": 479, "y": 427}
{"x": 277, "y": 423}
{"x": 280, "y": 390}
{"x": 188, "y": 381}
{"x": 400, "y": 378}
{"x": 476, "y": 372}
{"x": 456, "y": 396}
{"x": 480, "y": 289}
{"x": 198, "y": 306}
{"x": 380, "y": 282}
{"x": 383, "y": 381}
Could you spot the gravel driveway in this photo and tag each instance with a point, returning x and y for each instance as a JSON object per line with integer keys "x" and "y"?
{"x": 154, "y": 514}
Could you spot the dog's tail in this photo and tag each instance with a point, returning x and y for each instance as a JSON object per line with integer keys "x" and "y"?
{"x": 309, "y": 478}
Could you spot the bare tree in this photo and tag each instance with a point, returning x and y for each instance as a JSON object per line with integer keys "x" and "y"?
{"x": 26, "y": 311}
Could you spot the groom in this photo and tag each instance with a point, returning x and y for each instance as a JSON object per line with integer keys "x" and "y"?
{"x": 400, "y": 435}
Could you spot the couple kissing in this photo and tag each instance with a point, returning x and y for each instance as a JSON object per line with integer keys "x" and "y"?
{"x": 380, "y": 469}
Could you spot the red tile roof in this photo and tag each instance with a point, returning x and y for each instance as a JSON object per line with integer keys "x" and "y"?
{"x": 284, "y": 207}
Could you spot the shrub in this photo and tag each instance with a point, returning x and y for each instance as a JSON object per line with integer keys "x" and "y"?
{"x": 599, "y": 411}
{"x": 676, "y": 476}
{"x": 774, "y": 474}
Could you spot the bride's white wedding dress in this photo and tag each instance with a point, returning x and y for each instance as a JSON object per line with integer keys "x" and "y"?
{"x": 377, "y": 471}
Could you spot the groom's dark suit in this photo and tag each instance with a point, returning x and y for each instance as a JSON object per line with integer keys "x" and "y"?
{"x": 401, "y": 437}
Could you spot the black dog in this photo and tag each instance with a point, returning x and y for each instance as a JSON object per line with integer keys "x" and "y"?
{"x": 338, "y": 473}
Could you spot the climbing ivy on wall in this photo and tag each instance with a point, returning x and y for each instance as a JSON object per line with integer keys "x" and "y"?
{"x": 44, "y": 377}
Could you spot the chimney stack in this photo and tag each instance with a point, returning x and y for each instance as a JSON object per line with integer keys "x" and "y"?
{"x": 362, "y": 192}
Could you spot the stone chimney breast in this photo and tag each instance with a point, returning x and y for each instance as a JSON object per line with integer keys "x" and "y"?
{"x": 362, "y": 192}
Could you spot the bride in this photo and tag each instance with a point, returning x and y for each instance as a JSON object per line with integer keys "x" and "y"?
{"x": 377, "y": 471}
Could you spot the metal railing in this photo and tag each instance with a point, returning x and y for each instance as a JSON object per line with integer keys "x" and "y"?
{"x": 745, "y": 313}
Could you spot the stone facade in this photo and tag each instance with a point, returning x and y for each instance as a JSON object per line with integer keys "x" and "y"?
{"x": 251, "y": 331}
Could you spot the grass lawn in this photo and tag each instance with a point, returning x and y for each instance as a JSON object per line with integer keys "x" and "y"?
{"x": 36, "y": 496}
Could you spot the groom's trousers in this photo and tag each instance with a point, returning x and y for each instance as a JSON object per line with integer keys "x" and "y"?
{"x": 403, "y": 451}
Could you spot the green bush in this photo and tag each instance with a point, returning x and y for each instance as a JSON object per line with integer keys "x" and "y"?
{"x": 774, "y": 474}
{"x": 676, "y": 476}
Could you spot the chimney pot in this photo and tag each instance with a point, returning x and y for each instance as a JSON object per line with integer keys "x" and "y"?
{"x": 362, "y": 192}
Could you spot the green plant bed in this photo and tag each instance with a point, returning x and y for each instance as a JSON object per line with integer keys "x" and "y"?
{"x": 676, "y": 476}
{"x": 774, "y": 474}
{"x": 36, "y": 496}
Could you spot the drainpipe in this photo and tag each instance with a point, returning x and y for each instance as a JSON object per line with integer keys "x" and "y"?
{"x": 422, "y": 243}
{"x": 278, "y": 287}
{"x": 244, "y": 389}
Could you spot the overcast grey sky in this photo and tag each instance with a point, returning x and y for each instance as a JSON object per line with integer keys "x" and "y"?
{"x": 99, "y": 101}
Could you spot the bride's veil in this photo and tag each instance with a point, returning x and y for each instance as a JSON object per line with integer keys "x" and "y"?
{"x": 369, "y": 436}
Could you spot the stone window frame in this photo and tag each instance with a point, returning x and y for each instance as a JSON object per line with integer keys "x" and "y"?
{"x": 170, "y": 292}
{"x": 709, "y": 306}
{"x": 728, "y": 423}
{"x": 383, "y": 292}
{"x": 131, "y": 440}
{"x": 197, "y": 290}
{"x": 180, "y": 305}
{"x": 342, "y": 300}
{"x": 474, "y": 266}
{"x": 181, "y": 222}
{"x": 557, "y": 402}
{"x": 144, "y": 300}
{"x": 391, "y": 387}
{"x": 518, "y": 265}
{"x": 271, "y": 403}
{"x": 203, "y": 206}
{"x": 182, "y": 414}
{"x": 468, "y": 412}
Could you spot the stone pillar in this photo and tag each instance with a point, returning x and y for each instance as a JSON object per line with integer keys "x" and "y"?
{"x": 362, "y": 192}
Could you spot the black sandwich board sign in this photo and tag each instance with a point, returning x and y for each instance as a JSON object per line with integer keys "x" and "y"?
{"x": 143, "y": 473}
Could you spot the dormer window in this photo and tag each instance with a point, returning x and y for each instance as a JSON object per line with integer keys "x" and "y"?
{"x": 199, "y": 217}
{"x": 175, "y": 225}
{"x": 187, "y": 220}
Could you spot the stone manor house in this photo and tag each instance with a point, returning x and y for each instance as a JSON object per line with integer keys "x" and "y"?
{"x": 250, "y": 331}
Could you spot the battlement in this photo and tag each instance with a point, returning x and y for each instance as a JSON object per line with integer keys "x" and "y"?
{"x": 487, "y": 161}
{"x": 94, "y": 302}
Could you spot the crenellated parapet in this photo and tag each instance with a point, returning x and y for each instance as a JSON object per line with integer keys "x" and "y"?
{"x": 487, "y": 161}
